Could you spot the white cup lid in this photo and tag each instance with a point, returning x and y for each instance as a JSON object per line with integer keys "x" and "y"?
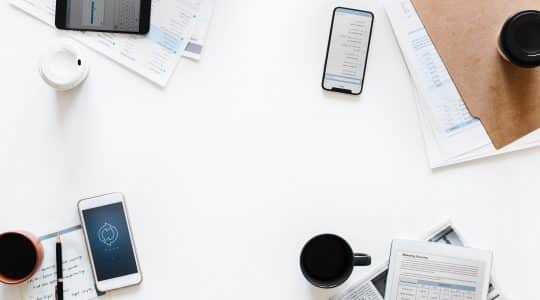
{"x": 63, "y": 66}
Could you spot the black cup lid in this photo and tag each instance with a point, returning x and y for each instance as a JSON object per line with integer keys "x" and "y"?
{"x": 520, "y": 39}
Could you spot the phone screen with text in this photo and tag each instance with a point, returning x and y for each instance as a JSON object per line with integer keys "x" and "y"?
{"x": 347, "y": 50}
{"x": 110, "y": 15}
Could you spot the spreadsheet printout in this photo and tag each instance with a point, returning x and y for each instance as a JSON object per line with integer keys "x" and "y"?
{"x": 422, "y": 271}
{"x": 153, "y": 56}
{"x": 412, "y": 289}
{"x": 455, "y": 130}
{"x": 450, "y": 112}
{"x": 373, "y": 287}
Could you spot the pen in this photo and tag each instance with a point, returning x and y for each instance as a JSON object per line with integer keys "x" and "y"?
{"x": 59, "y": 276}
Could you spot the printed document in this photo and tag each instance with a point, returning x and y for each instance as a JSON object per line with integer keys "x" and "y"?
{"x": 78, "y": 278}
{"x": 198, "y": 38}
{"x": 422, "y": 270}
{"x": 374, "y": 286}
{"x": 455, "y": 130}
{"x": 155, "y": 55}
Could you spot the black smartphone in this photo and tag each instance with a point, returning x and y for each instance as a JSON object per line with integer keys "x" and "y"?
{"x": 124, "y": 16}
{"x": 347, "y": 51}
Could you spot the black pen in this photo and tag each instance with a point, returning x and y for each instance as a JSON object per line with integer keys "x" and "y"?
{"x": 59, "y": 276}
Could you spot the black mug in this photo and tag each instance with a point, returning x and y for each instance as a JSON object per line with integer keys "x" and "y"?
{"x": 519, "y": 40}
{"x": 327, "y": 261}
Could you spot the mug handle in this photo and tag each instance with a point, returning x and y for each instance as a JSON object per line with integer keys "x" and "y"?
{"x": 361, "y": 259}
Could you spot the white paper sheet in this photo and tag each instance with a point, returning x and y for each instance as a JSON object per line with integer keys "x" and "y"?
{"x": 154, "y": 56}
{"x": 198, "y": 38}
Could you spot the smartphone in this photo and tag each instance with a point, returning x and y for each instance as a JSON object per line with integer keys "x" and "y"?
{"x": 124, "y": 16}
{"x": 109, "y": 241}
{"x": 347, "y": 51}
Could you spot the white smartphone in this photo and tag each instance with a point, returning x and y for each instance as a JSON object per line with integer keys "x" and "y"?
{"x": 109, "y": 241}
{"x": 347, "y": 52}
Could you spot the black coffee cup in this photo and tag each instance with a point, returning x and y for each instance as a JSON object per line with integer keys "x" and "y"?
{"x": 21, "y": 254}
{"x": 519, "y": 40}
{"x": 327, "y": 261}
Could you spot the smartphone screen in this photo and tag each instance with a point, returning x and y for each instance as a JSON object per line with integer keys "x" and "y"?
{"x": 347, "y": 52}
{"x": 109, "y": 240}
{"x": 100, "y": 15}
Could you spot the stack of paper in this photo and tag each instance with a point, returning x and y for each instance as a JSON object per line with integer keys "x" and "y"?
{"x": 451, "y": 134}
{"x": 178, "y": 28}
{"x": 373, "y": 286}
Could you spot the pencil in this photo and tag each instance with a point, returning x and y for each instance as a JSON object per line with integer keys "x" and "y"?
{"x": 59, "y": 276}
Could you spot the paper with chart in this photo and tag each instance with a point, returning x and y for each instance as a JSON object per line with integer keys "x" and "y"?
{"x": 154, "y": 56}
{"x": 78, "y": 279}
{"x": 422, "y": 270}
{"x": 373, "y": 287}
{"x": 456, "y": 131}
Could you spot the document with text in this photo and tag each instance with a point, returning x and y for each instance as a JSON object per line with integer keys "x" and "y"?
{"x": 373, "y": 287}
{"x": 422, "y": 270}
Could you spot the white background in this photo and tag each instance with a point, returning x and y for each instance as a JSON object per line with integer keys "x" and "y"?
{"x": 242, "y": 158}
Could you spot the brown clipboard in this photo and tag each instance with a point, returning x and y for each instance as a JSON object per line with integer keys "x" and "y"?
{"x": 506, "y": 98}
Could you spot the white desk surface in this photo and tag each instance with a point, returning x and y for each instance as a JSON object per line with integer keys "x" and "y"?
{"x": 242, "y": 158}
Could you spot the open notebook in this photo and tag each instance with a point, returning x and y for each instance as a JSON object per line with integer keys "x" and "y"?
{"x": 78, "y": 279}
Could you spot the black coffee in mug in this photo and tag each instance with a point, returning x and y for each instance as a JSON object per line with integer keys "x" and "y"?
{"x": 327, "y": 261}
{"x": 20, "y": 256}
{"x": 519, "y": 40}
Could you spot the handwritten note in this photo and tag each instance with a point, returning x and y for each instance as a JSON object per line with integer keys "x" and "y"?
{"x": 78, "y": 280}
